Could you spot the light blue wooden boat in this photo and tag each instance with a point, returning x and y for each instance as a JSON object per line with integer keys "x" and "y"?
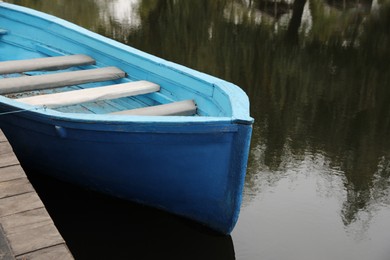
{"x": 92, "y": 111}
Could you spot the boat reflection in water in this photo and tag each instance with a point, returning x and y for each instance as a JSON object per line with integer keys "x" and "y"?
{"x": 96, "y": 226}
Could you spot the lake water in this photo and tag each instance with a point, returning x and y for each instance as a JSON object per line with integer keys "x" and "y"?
{"x": 318, "y": 76}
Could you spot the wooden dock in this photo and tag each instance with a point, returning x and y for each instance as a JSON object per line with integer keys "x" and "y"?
{"x": 26, "y": 230}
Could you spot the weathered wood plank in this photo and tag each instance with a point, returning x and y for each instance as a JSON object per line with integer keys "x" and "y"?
{"x": 34, "y": 238}
{"x": 11, "y": 173}
{"x": 51, "y": 253}
{"x": 8, "y": 159}
{"x": 48, "y": 63}
{"x": 20, "y": 203}
{"x": 2, "y": 137}
{"x": 7, "y": 156}
{"x": 5, "y": 148}
{"x": 18, "y": 222}
{"x": 180, "y": 108}
{"x": 92, "y": 94}
{"x": 15, "y": 187}
{"x": 56, "y": 80}
{"x": 5, "y": 249}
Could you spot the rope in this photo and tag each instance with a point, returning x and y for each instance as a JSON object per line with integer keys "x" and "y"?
{"x": 22, "y": 110}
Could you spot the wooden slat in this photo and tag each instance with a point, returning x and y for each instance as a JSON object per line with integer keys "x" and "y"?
{"x": 5, "y": 249}
{"x": 15, "y": 187}
{"x": 21, "y": 221}
{"x": 54, "y": 252}
{"x": 5, "y": 148}
{"x": 8, "y": 159}
{"x": 56, "y": 80}
{"x": 2, "y": 138}
{"x": 11, "y": 173}
{"x": 49, "y": 63}
{"x": 92, "y": 94}
{"x": 31, "y": 239}
{"x": 20, "y": 203}
{"x": 181, "y": 108}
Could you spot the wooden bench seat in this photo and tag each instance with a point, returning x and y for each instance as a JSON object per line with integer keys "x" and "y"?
{"x": 49, "y": 63}
{"x": 56, "y": 80}
{"x": 92, "y": 94}
{"x": 180, "y": 108}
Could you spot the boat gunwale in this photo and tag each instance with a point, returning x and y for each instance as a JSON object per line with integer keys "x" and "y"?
{"x": 15, "y": 108}
{"x": 237, "y": 97}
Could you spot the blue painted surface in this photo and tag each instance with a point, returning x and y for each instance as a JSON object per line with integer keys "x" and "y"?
{"x": 191, "y": 166}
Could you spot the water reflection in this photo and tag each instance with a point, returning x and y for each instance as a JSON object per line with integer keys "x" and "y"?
{"x": 100, "y": 227}
{"x": 124, "y": 12}
{"x": 318, "y": 76}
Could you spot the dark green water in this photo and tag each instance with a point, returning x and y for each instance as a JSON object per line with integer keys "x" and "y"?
{"x": 318, "y": 76}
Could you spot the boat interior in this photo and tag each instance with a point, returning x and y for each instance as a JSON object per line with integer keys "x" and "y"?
{"x": 55, "y": 82}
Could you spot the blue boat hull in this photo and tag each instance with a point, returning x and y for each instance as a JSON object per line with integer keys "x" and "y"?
{"x": 188, "y": 170}
{"x": 192, "y": 166}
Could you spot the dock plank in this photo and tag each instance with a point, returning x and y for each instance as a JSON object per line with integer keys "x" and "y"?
{"x": 15, "y": 187}
{"x": 8, "y": 159}
{"x": 20, "y": 203}
{"x": 2, "y": 138}
{"x": 11, "y": 173}
{"x": 5, "y": 148}
{"x": 5, "y": 249}
{"x": 32, "y": 239}
{"x": 17, "y": 222}
{"x": 51, "y": 253}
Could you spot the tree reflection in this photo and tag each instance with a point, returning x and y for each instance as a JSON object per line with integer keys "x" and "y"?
{"x": 295, "y": 21}
{"x": 80, "y": 12}
{"x": 329, "y": 94}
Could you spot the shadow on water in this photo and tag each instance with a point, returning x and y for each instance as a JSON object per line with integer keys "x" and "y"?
{"x": 96, "y": 226}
